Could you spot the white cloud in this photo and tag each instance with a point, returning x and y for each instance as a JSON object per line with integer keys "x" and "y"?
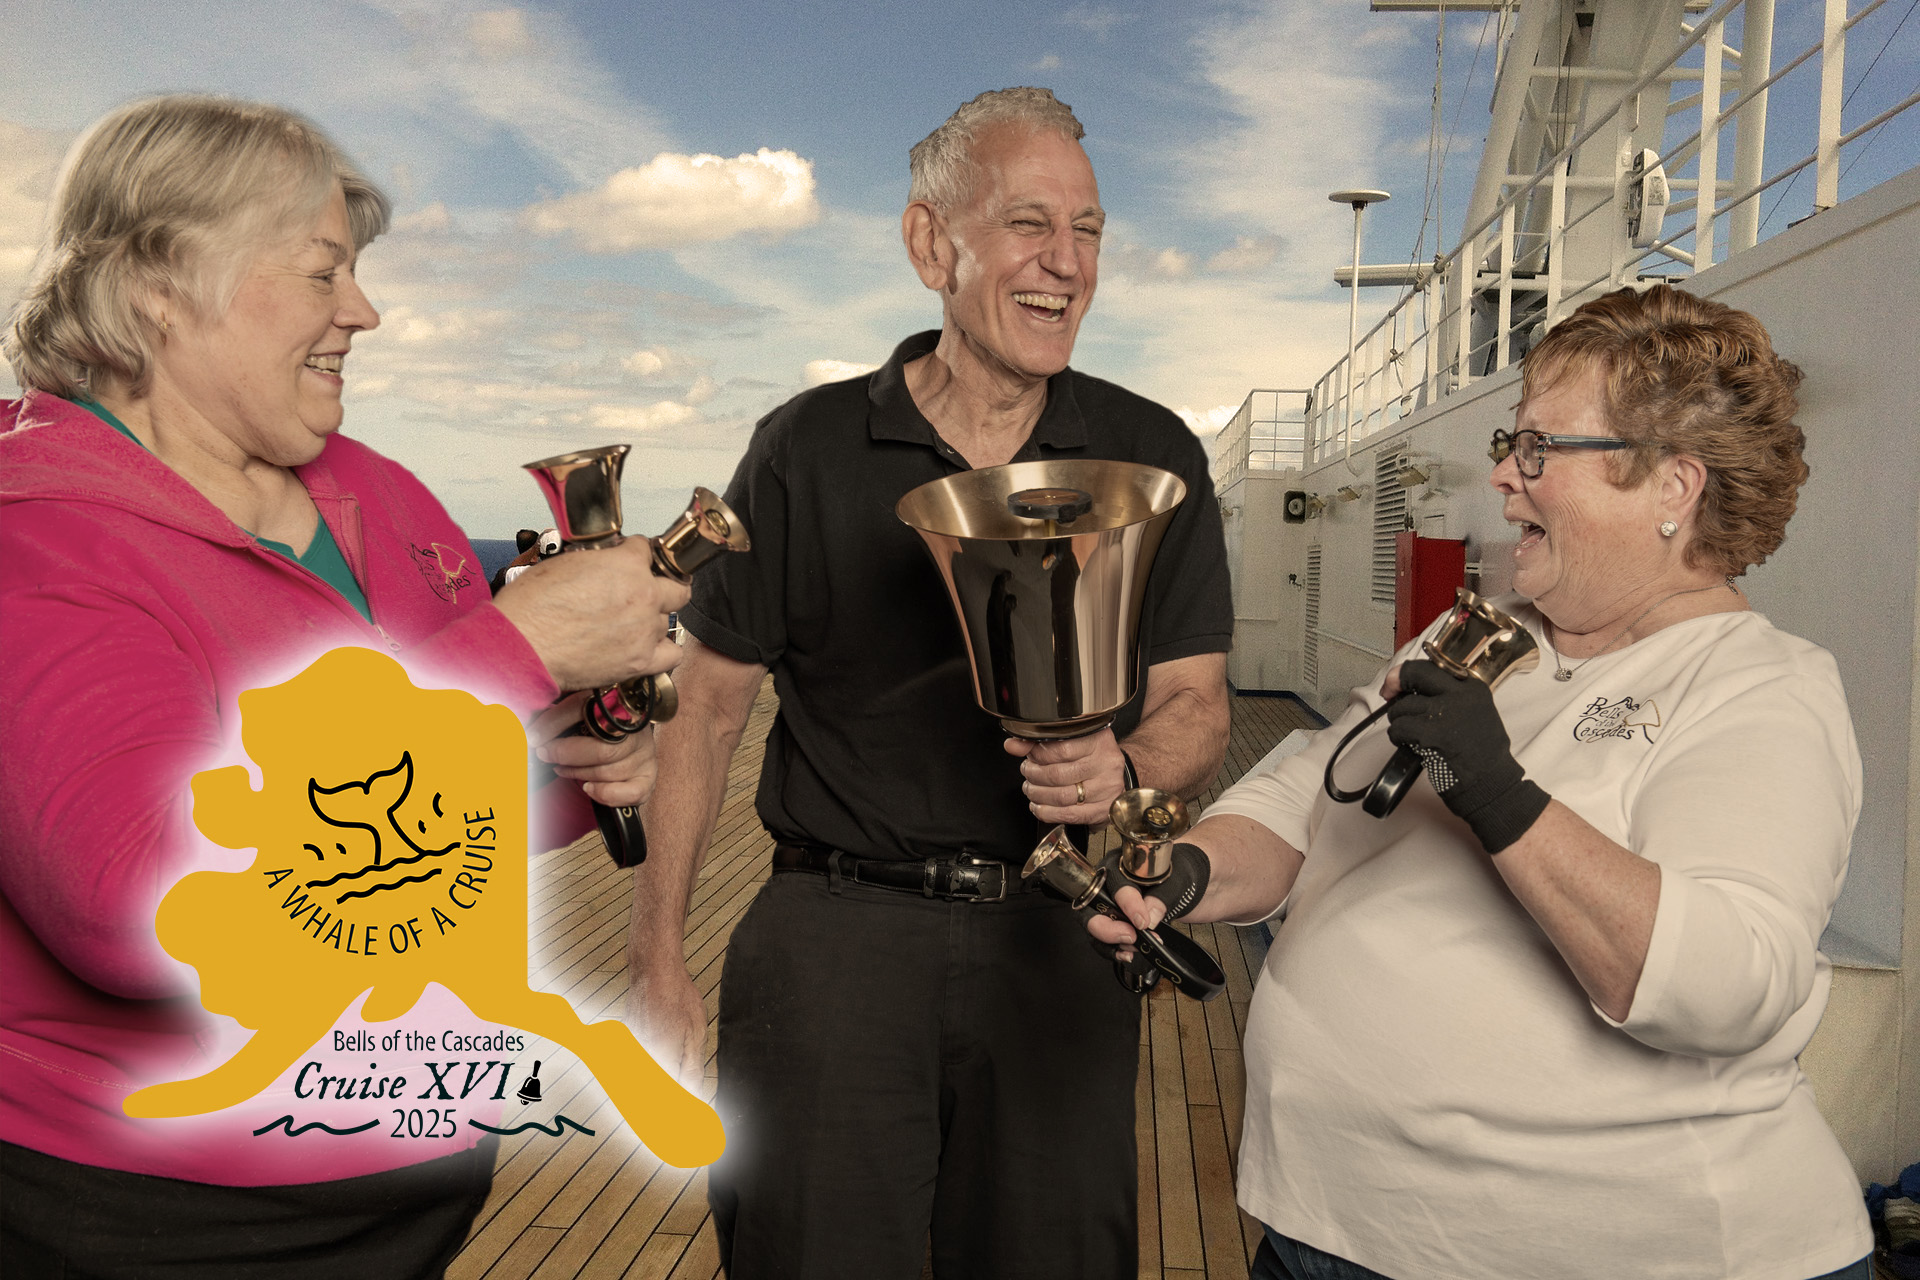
{"x": 1206, "y": 423}
{"x": 1247, "y": 254}
{"x": 520, "y": 71}
{"x": 430, "y": 220}
{"x": 819, "y": 372}
{"x": 640, "y": 417}
{"x": 500, "y": 33}
{"x": 1313, "y": 118}
{"x": 1099, "y": 21}
{"x": 29, "y": 159}
{"x": 1172, "y": 263}
{"x": 657, "y": 365}
{"x": 1126, "y": 258}
{"x": 676, "y": 200}
{"x": 1047, "y": 62}
{"x": 455, "y": 326}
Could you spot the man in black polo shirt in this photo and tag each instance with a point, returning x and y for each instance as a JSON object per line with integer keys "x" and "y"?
{"x": 948, "y": 1061}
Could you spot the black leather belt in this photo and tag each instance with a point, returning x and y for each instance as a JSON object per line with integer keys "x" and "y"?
{"x": 959, "y": 879}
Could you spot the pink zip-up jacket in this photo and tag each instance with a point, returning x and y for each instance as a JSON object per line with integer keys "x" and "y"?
{"x": 132, "y": 615}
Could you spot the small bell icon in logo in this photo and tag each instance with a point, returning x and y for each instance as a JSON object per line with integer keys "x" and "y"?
{"x": 530, "y": 1091}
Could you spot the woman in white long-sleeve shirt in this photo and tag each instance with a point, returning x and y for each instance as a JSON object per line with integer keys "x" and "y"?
{"x": 1545, "y": 1021}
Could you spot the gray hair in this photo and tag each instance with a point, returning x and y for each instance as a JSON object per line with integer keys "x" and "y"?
{"x": 942, "y": 162}
{"x": 168, "y": 198}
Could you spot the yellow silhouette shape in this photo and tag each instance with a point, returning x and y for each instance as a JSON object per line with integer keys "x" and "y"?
{"x": 390, "y": 839}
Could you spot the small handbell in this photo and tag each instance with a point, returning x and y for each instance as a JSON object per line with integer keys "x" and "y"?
{"x": 583, "y": 491}
{"x": 1148, "y": 822}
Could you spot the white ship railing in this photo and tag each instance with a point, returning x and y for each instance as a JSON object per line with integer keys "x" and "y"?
{"x": 1268, "y": 433}
{"x": 1425, "y": 347}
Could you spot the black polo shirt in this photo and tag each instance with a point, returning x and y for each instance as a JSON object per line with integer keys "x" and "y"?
{"x": 880, "y": 749}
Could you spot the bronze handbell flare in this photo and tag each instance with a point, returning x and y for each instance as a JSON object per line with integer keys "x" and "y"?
{"x": 1479, "y": 642}
{"x": 704, "y": 531}
{"x": 583, "y": 491}
{"x": 1046, "y": 566}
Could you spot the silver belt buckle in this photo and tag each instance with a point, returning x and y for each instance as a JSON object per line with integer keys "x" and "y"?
{"x": 973, "y": 860}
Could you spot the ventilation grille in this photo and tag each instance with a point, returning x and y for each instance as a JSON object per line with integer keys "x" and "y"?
{"x": 1310, "y": 645}
{"x": 1389, "y": 518}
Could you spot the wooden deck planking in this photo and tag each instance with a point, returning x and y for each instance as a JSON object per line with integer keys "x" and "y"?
{"x": 605, "y": 1206}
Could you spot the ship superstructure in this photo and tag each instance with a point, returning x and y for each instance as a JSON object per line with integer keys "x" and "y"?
{"x": 1632, "y": 141}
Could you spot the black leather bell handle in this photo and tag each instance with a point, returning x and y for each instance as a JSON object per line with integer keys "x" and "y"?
{"x": 622, "y": 830}
{"x": 1184, "y": 962}
{"x": 1384, "y": 794}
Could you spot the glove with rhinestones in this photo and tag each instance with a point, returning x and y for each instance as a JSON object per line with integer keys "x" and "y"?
{"x": 1451, "y": 722}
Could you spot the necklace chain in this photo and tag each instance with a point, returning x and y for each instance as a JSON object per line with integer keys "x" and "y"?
{"x": 1563, "y": 673}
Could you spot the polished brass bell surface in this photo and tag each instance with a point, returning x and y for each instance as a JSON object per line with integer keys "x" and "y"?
{"x": 1148, "y": 822}
{"x": 1062, "y": 868}
{"x": 583, "y": 490}
{"x": 1048, "y": 601}
{"x": 1479, "y": 642}
{"x": 705, "y": 530}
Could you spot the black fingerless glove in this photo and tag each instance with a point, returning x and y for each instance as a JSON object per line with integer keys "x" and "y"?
{"x": 1184, "y": 886}
{"x": 1453, "y": 725}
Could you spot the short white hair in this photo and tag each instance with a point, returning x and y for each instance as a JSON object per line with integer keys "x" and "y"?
{"x": 170, "y": 197}
{"x": 942, "y": 162}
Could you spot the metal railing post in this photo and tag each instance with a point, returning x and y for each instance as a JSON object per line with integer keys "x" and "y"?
{"x": 1430, "y": 339}
{"x": 1466, "y": 266}
{"x": 1833, "y": 63}
{"x": 1556, "y": 239}
{"x": 1505, "y": 322}
{"x": 1707, "y": 189}
{"x": 1750, "y": 132}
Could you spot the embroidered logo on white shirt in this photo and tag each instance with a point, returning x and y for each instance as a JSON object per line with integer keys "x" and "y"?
{"x": 1604, "y": 719}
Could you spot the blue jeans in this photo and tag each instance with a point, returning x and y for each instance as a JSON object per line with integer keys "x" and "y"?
{"x": 1280, "y": 1258}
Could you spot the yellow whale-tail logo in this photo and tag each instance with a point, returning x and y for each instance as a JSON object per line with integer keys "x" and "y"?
{"x": 390, "y": 852}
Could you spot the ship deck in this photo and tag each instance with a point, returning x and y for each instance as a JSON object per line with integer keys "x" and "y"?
{"x": 601, "y": 1205}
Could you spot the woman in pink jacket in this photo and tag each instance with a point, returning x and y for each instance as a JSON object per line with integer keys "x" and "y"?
{"x": 180, "y": 522}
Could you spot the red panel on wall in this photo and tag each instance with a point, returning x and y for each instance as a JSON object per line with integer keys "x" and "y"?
{"x": 1426, "y": 573}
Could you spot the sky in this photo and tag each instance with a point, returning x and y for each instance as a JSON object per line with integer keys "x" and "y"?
{"x": 653, "y": 223}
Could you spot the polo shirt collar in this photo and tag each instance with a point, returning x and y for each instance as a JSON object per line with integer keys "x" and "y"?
{"x": 892, "y": 414}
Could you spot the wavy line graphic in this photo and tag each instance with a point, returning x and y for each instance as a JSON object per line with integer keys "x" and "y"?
{"x": 286, "y": 1122}
{"x": 370, "y": 869}
{"x": 403, "y": 880}
{"x": 554, "y": 1132}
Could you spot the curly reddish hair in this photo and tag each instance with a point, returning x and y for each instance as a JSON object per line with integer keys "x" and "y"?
{"x": 1681, "y": 375}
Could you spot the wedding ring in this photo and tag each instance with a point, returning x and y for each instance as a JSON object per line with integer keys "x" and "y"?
{"x": 1079, "y": 793}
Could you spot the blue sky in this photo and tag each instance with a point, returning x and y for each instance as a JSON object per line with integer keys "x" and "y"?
{"x": 562, "y": 273}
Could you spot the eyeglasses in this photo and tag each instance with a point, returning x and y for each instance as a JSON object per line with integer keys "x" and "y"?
{"x": 1529, "y": 448}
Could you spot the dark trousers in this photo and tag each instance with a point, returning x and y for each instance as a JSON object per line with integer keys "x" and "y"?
{"x": 897, "y": 1069}
{"x": 65, "y": 1221}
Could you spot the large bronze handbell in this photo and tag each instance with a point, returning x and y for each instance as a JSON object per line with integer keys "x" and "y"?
{"x": 1046, "y": 566}
{"x": 583, "y": 491}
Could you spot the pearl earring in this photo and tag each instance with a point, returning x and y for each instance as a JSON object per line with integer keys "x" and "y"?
{"x": 1668, "y": 528}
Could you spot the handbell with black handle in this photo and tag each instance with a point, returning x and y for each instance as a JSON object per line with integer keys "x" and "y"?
{"x": 1476, "y": 642}
{"x": 1063, "y": 869}
{"x": 583, "y": 491}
